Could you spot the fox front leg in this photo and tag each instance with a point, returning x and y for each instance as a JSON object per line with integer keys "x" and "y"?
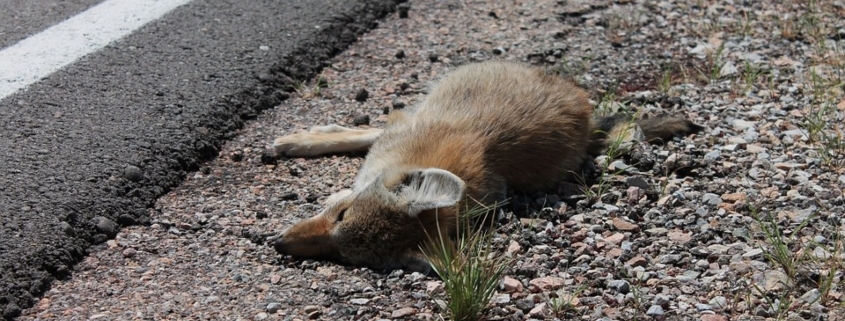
{"x": 322, "y": 140}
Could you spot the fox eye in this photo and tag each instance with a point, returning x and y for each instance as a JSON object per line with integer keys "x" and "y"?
{"x": 341, "y": 215}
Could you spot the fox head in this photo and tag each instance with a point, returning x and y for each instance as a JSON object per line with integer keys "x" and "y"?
{"x": 384, "y": 224}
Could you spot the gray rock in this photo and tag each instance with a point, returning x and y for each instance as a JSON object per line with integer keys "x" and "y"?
{"x": 729, "y": 68}
{"x": 361, "y": 120}
{"x": 105, "y": 226}
{"x": 739, "y": 124}
{"x": 359, "y": 301}
{"x": 133, "y": 173}
{"x": 618, "y": 165}
{"x": 662, "y": 300}
{"x": 719, "y": 302}
{"x": 273, "y": 307}
{"x": 712, "y": 199}
{"x": 774, "y": 280}
{"x": 655, "y": 311}
{"x": 362, "y": 95}
{"x": 811, "y": 296}
{"x": 67, "y": 229}
{"x": 712, "y": 155}
{"x": 753, "y": 253}
{"x": 718, "y": 248}
{"x": 701, "y": 307}
{"x": 620, "y": 286}
{"x": 637, "y": 181}
{"x": 688, "y": 275}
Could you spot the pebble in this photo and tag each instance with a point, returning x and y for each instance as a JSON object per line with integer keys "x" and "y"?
{"x": 774, "y": 280}
{"x": 538, "y": 311}
{"x": 811, "y": 296}
{"x": 753, "y": 253}
{"x": 129, "y": 252}
{"x": 712, "y": 199}
{"x": 637, "y": 261}
{"x": 513, "y": 248}
{"x": 623, "y": 225}
{"x": 661, "y": 300}
{"x": 655, "y": 311}
{"x": 403, "y": 312}
{"x": 713, "y": 317}
{"x": 637, "y": 181}
{"x": 362, "y": 95}
{"x": 511, "y": 285}
{"x": 741, "y": 125}
{"x": 503, "y": 298}
{"x": 546, "y": 284}
{"x": 274, "y": 307}
{"x": 615, "y": 238}
{"x": 701, "y": 307}
{"x": 105, "y": 226}
{"x": 618, "y": 165}
{"x": 361, "y": 120}
{"x": 719, "y": 302}
{"x": 133, "y": 173}
{"x": 67, "y": 229}
{"x": 679, "y": 237}
{"x": 620, "y": 286}
{"x": 728, "y": 68}
{"x": 712, "y": 156}
{"x": 359, "y": 301}
{"x": 268, "y": 157}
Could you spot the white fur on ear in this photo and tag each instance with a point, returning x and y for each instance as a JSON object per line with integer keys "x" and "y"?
{"x": 431, "y": 188}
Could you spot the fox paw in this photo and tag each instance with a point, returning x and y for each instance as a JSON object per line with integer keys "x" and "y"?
{"x": 294, "y": 145}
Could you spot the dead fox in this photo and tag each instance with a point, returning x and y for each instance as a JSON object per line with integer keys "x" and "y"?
{"x": 484, "y": 127}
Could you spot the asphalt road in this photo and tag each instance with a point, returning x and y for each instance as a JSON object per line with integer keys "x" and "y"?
{"x": 22, "y": 18}
{"x": 91, "y": 147}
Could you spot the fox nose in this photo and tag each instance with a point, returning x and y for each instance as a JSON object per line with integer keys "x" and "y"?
{"x": 279, "y": 245}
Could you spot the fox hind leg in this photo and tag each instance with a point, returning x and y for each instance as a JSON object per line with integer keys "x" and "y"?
{"x": 322, "y": 140}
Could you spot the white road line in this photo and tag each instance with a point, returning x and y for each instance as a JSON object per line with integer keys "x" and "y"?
{"x": 39, "y": 55}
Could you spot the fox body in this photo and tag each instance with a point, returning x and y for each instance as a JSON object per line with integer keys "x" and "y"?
{"x": 484, "y": 127}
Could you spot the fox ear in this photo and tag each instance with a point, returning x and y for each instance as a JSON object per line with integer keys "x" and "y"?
{"x": 430, "y": 188}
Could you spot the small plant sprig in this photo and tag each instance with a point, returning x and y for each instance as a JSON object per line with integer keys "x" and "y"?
{"x": 564, "y": 302}
{"x": 469, "y": 266}
{"x": 780, "y": 244}
{"x": 824, "y": 258}
{"x": 616, "y": 146}
{"x": 822, "y": 123}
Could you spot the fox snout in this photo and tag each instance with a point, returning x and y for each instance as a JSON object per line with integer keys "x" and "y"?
{"x": 309, "y": 238}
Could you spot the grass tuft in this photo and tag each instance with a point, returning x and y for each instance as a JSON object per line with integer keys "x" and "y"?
{"x": 564, "y": 302}
{"x": 823, "y": 121}
{"x": 470, "y": 267}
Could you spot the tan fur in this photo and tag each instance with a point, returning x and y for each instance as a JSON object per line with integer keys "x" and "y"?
{"x": 491, "y": 125}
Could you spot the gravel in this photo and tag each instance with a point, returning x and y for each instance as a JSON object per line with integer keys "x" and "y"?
{"x": 675, "y": 240}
